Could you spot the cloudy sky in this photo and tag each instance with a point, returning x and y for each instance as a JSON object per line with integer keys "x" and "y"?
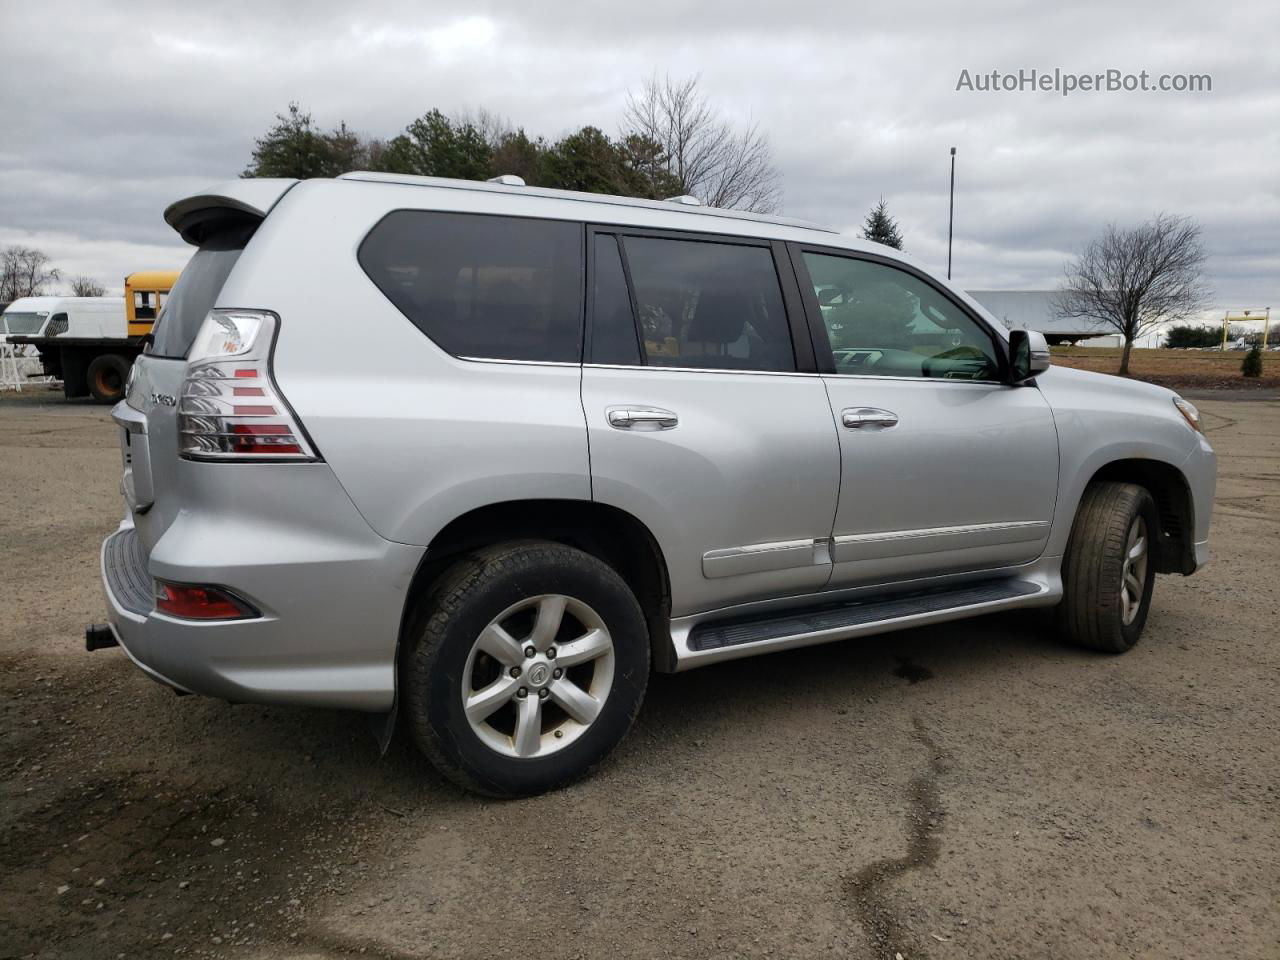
{"x": 109, "y": 112}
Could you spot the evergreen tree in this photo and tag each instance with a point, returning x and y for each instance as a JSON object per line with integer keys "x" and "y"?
{"x": 295, "y": 147}
{"x": 587, "y": 160}
{"x": 514, "y": 152}
{"x": 433, "y": 146}
{"x": 1251, "y": 366}
{"x": 879, "y": 227}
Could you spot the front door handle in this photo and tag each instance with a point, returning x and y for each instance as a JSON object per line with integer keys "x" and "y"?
{"x": 643, "y": 418}
{"x": 856, "y": 418}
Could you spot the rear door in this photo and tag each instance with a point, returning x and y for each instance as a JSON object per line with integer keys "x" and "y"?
{"x": 705, "y": 417}
{"x": 946, "y": 468}
{"x": 148, "y": 414}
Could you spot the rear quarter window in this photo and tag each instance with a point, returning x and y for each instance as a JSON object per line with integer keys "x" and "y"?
{"x": 484, "y": 287}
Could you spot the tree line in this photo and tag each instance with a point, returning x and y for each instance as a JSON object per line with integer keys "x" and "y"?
{"x": 672, "y": 142}
{"x": 1188, "y": 336}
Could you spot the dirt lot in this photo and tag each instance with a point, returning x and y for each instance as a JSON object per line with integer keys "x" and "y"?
{"x": 1176, "y": 369}
{"x": 964, "y": 791}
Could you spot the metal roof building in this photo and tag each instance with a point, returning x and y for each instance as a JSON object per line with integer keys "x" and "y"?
{"x": 1033, "y": 310}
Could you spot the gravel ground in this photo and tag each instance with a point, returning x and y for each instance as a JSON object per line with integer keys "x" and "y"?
{"x": 964, "y": 791}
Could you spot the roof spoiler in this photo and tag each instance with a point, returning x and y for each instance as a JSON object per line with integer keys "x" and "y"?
{"x": 235, "y": 200}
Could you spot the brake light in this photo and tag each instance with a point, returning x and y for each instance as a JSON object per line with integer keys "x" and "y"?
{"x": 231, "y": 408}
{"x": 200, "y": 603}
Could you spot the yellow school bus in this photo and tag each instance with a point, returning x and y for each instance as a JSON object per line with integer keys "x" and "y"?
{"x": 144, "y": 295}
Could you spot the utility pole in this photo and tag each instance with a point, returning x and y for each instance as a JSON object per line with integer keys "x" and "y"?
{"x": 951, "y": 213}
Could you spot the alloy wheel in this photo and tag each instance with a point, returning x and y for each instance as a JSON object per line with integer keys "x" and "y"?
{"x": 537, "y": 676}
{"x": 1133, "y": 573}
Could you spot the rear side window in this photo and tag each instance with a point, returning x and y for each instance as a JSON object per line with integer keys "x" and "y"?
{"x": 196, "y": 291}
{"x": 714, "y": 305}
{"x": 498, "y": 288}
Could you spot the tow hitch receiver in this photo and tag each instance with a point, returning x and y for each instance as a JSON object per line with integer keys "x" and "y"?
{"x": 99, "y": 636}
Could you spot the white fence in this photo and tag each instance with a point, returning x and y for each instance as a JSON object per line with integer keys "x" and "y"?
{"x": 20, "y": 367}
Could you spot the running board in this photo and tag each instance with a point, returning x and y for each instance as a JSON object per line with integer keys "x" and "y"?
{"x": 724, "y": 639}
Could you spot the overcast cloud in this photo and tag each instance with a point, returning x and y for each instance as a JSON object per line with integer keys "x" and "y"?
{"x": 109, "y": 112}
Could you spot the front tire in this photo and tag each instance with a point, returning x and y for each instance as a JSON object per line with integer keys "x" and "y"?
{"x": 525, "y": 665}
{"x": 1108, "y": 571}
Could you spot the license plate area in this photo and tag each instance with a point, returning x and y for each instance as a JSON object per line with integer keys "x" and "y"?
{"x": 135, "y": 461}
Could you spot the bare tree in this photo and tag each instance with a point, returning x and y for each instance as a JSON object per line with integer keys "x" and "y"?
{"x": 24, "y": 272}
{"x": 493, "y": 127}
{"x": 1135, "y": 278}
{"x": 698, "y": 151}
{"x": 82, "y": 286}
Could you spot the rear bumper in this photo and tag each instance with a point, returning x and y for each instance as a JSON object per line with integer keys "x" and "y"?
{"x": 327, "y": 636}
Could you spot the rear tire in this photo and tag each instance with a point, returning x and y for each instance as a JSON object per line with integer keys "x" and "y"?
{"x": 107, "y": 376}
{"x": 468, "y": 646}
{"x": 1108, "y": 571}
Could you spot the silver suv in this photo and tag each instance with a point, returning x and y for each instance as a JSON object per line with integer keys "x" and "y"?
{"x": 482, "y": 456}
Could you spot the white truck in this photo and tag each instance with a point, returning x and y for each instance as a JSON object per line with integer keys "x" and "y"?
{"x": 89, "y": 343}
{"x": 70, "y": 334}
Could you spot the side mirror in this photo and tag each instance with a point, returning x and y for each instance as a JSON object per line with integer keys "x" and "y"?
{"x": 1028, "y": 355}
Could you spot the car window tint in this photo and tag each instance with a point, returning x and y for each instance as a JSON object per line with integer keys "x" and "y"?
{"x": 503, "y": 288}
{"x": 704, "y": 304}
{"x": 882, "y": 321}
{"x": 196, "y": 291}
{"x": 613, "y": 326}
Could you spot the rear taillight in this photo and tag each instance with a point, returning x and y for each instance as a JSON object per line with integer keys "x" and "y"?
{"x": 200, "y": 602}
{"x": 230, "y": 408}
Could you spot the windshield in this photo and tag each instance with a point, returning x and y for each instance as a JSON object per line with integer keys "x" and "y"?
{"x": 22, "y": 323}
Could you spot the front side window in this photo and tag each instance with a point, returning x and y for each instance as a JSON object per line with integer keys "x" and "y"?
{"x": 704, "y": 304}
{"x": 882, "y": 321}
{"x": 484, "y": 287}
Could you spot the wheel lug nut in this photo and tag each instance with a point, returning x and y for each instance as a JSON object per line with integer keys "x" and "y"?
{"x": 544, "y": 693}
{"x": 551, "y": 653}
{"x": 515, "y": 671}
{"x": 522, "y": 692}
{"x": 529, "y": 652}
{"x": 557, "y": 673}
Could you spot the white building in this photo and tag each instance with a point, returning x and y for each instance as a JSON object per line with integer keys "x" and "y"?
{"x": 1033, "y": 310}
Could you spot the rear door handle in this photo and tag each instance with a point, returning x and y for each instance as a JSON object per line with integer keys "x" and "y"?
{"x": 856, "y": 418}
{"x": 643, "y": 418}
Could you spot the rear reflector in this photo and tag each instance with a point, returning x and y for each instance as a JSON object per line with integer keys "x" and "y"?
{"x": 200, "y": 603}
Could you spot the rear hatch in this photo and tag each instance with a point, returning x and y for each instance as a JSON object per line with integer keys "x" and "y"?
{"x": 221, "y": 222}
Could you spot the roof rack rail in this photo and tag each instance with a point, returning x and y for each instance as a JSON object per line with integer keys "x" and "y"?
{"x": 687, "y": 199}
{"x": 507, "y": 180}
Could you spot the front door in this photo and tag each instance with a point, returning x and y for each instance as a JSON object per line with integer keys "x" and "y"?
{"x": 945, "y": 468}
{"x": 701, "y": 422}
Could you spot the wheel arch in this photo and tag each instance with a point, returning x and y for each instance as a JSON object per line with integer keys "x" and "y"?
{"x": 606, "y": 532}
{"x": 1175, "y": 508}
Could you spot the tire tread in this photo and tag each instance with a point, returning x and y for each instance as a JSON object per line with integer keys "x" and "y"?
{"x": 1089, "y": 614}
{"x": 442, "y": 602}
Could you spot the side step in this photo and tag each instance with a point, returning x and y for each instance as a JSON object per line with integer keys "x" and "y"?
{"x": 830, "y": 618}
